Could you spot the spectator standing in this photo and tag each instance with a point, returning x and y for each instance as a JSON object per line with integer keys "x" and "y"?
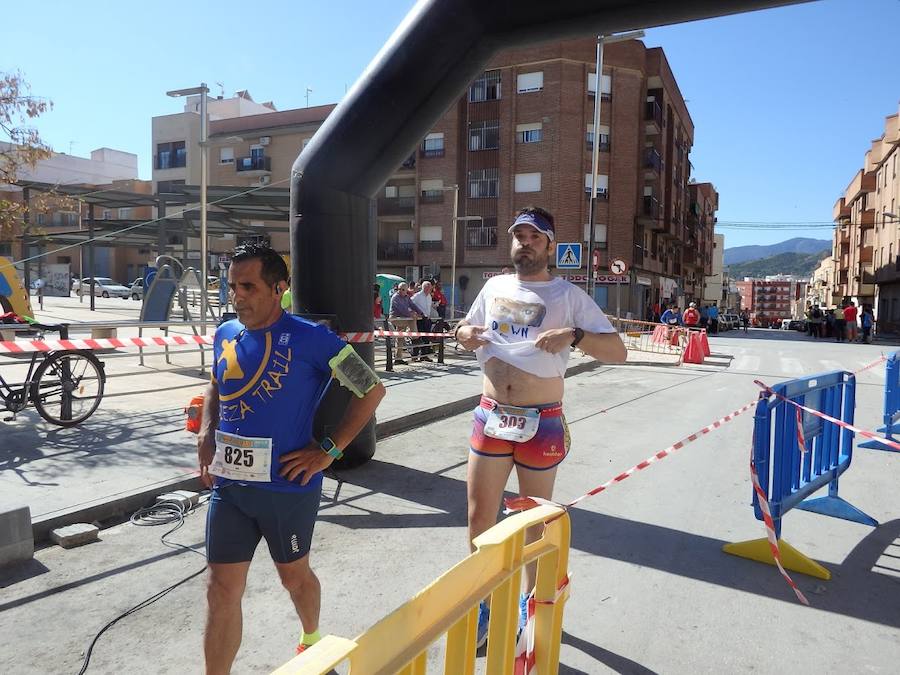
{"x": 378, "y": 310}
{"x": 817, "y": 321}
{"x": 424, "y": 305}
{"x": 745, "y": 320}
{"x": 713, "y": 319}
{"x": 403, "y": 316}
{"x": 692, "y": 316}
{"x": 850, "y": 315}
{"x": 704, "y": 316}
{"x": 440, "y": 300}
{"x": 867, "y": 318}
{"x": 840, "y": 325}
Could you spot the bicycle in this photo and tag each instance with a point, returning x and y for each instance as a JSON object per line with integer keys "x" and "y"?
{"x": 65, "y": 386}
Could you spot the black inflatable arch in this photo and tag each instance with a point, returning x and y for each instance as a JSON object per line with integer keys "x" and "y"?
{"x": 439, "y": 48}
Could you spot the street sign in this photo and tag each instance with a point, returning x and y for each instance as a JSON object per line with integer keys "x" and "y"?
{"x": 618, "y": 266}
{"x": 568, "y": 256}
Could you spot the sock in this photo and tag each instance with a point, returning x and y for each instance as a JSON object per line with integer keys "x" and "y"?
{"x": 309, "y": 639}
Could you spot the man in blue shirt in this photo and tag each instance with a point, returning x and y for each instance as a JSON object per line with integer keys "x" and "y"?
{"x": 256, "y": 448}
{"x": 713, "y": 319}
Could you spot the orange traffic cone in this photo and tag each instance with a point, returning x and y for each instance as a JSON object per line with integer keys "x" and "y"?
{"x": 693, "y": 353}
{"x": 704, "y": 342}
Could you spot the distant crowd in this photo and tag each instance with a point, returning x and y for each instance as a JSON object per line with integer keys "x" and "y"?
{"x": 705, "y": 316}
{"x": 418, "y": 307}
{"x": 844, "y": 323}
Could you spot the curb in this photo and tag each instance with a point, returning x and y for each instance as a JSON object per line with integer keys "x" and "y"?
{"x": 126, "y": 503}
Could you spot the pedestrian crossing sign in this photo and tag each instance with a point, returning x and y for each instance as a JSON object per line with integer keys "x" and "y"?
{"x": 568, "y": 256}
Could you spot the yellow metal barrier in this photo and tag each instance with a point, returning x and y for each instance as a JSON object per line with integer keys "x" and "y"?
{"x": 399, "y": 642}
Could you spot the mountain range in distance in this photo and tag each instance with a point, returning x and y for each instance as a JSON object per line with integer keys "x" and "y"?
{"x": 740, "y": 254}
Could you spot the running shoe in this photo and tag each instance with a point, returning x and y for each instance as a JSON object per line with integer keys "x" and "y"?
{"x": 484, "y": 616}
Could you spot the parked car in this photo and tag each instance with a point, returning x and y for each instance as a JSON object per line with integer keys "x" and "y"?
{"x": 137, "y": 288}
{"x": 797, "y": 324}
{"x": 730, "y": 320}
{"x": 104, "y": 287}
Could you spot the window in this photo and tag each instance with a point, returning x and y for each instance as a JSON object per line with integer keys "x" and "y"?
{"x": 431, "y": 191}
{"x": 528, "y": 182}
{"x": 484, "y": 135}
{"x": 390, "y": 191}
{"x": 604, "y": 137}
{"x": 528, "y": 82}
{"x": 605, "y": 85}
{"x": 433, "y": 145}
{"x": 431, "y": 233}
{"x": 40, "y": 219}
{"x": 107, "y": 214}
{"x": 486, "y": 87}
{"x": 125, "y": 214}
{"x": 226, "y": 155}
{"x": 168, "y": 186}
{"x": 602, "y": 185}
{"x": 171, "y": 155}
{"x": 599, "y": 233}
{"x": 529, "y": 133}
{"x": 484, "y": 183}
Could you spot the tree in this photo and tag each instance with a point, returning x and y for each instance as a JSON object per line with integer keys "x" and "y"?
{"x": 21, "y": 145}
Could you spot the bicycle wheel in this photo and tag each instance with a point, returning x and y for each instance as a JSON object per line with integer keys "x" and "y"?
{"x": 67, "y": 387}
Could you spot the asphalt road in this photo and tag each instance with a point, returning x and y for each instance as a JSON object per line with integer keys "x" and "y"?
{"x": 652, "y": 591}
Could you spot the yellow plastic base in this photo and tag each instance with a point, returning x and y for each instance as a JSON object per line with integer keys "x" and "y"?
{"x": 791, "y": 558}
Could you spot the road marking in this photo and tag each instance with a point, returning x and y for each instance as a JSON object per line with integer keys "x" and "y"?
{"x": 792, "y": 366}
{"x": 747, "y": 363}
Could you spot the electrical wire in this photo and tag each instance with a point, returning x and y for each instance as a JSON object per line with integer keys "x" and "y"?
{"x": 161, "y": 513}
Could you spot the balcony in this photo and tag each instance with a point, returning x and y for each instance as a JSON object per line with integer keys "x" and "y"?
{"x": 253, "y": 165}
{"x": 589, "y": 142}
{"x": 431, "y": 197}
{"x": 649, "y": 208}
{"x": 394, "y": 251}
{"x": 431, "y": 246}
{"x": 409, "y": 164}
{"x": 480, "y": 236}
{"x": 652, "y": 162}
{"x": 653, "y": 117}
{"x": 432, "y": 152}
{"x": 865, "y": 254}
{"x": 396, "y": 206}
{"x": 867, "y": 219}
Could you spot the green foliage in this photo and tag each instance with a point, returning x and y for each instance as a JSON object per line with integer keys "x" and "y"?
{"x": 797, "y": 264}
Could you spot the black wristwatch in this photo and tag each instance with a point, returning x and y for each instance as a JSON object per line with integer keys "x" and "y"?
{"x": 579, "y": 336}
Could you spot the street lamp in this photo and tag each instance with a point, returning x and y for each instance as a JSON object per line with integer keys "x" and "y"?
{"x": 203, "y": 90}
{"x": 595, "y": 160}
{"x": 454, "y": 224}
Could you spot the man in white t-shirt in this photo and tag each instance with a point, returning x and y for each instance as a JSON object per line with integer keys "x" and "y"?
{"x": 522, "y": 328}
{"x": 424, "y": 303}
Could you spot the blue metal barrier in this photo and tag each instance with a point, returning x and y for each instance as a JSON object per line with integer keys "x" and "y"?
{"x": 891, "y": 402}
{"x": 789, "y": 477}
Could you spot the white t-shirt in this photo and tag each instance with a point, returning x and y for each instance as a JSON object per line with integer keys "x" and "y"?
{"x": 517, "y": 312}
{"x": 422, "y": 301}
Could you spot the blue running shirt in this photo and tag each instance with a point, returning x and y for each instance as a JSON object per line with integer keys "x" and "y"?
{"x": 268, "y": 382}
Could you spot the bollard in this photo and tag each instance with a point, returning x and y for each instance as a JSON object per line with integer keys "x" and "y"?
{"x": 389, "y": 342}
{"x": 440, "y": 346}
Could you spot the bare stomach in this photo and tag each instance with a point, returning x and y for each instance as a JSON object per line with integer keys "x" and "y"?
{"x": 507, "y": 384}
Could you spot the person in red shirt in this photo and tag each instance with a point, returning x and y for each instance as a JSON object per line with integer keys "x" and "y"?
{"x": 850, "y": 313}
{"x": 439, "y": 299}
{"x": 691, "y": 316}
{"x": 378, "y": 309}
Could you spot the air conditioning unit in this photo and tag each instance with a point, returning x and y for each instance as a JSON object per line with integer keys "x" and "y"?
{"x": 265, "y": 180}
{"x": 264, "y": 140}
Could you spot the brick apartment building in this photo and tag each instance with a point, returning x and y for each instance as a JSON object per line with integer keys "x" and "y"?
{"x": 522, "y": 134}
{"x": 865, "y": 244}
{"x": 767, "y": 301}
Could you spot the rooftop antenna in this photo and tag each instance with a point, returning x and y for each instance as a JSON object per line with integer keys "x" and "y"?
{"x": 221, "y": 89}
{"x": 71, "y": 143}
{"x": 308, "y": 92}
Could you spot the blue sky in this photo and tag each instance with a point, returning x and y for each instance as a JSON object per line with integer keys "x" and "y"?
{"x": 785, "y": 101}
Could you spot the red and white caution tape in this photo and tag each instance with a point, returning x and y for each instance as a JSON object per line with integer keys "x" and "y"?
{"x": 894, "y": 445}
{"x": 514, "y": 504}
{"x": 25, "y": 346}
{"x": 871, "y": 365}
{"x": 525, "y": 663}
{"x": 801, "y": 439}
{"x": 770, "y": 529}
